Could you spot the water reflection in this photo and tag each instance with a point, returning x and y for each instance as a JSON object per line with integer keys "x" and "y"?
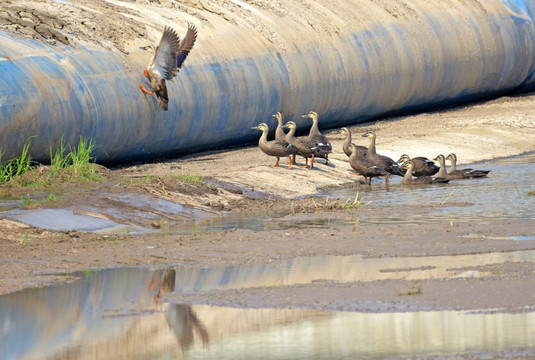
{"x": 266, "y": 333}
{"x": 307, "y": 270}
{"x": 118, "y": 314}
{"x": 109, "y": 314}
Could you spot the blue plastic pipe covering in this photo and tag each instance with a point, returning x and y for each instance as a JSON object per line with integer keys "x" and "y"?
{"x": 237, "y": 80}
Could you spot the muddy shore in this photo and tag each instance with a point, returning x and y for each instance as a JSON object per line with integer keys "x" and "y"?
{"x": 241, "y": 180}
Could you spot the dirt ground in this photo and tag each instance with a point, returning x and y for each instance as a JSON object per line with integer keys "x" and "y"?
{"x": 241, "y": 180}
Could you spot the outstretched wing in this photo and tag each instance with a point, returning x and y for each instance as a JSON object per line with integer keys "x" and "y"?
{"x": 185, "y": 46}
{"x": 164, "y": 63}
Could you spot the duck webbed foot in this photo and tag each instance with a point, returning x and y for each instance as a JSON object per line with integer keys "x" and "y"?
{"x": 277, "y": 163}
{"x": 145, "y": 90}
{"x": 291, "y": 162}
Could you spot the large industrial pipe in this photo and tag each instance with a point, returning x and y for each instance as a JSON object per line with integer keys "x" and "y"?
{"x": 350, "y": 61}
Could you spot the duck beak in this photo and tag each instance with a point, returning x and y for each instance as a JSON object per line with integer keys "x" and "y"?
{"x": 304, "y": 116}
{"x": 254, "y": 128}
{"x": 364, "y": 135}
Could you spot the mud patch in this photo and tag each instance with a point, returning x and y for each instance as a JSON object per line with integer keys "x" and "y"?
{"x": 96, "y": 22}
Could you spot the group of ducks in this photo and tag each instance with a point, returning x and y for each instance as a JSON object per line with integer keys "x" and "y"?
{"x": 287, "y": 144}
{"x": 364, "y": 160}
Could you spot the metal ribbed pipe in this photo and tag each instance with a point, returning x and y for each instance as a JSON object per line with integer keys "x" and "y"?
{"x": 355, "y": 62}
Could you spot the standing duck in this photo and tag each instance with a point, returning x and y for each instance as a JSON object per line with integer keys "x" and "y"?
{"x": 422, "y": 165}
{"x": 468, "y": 173}
{"x": 166, "y": 61}
{"x": 279, "y": 131}
{"x": 307, "y": 148}
{"x": 364, "y": 166}
{"x": 381, "y": 161}
{"x": 323, "y": 144}
{"x": 276, "y": 148}
{"x": 409, "y": 180}
{"x": 361, "y": 150}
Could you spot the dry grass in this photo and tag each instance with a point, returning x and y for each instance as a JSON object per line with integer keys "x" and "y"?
{"x": 331, "y": 204}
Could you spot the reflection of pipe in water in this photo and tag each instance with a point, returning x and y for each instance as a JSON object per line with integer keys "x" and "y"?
{"x": 245, "y": 333}
{"x": 112, "y": 312}
{"x": 305, "y": 270}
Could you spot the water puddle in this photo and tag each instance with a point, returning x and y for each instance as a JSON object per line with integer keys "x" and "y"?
{"x": 522, "y": 238}
{"x": 307, "y": 270}
{"x": 121, "y": 217}
{"x": 514, "y": 238}
{"x": 118, "y": 313}
{"x": 67, "y": 220}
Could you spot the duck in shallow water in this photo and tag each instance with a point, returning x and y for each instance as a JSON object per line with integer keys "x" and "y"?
{"x": 363, "y": 166}
{"x": 409, "y": 180}
{"x": 166, "y": 61}
{"x": 453, "y": 173}
{"x": 471, "y": 173}
{"x": 422, "y": 165}
{"x": 277, "y": 148}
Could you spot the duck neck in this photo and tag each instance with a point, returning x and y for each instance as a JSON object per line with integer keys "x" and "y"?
{"x": 442, "y": 172}
{"x": 347, "y": 141}
{"x": 279, "y": 131}
{"x": 408, "y": 175}
{"x": 371, "y": 147}
{"x": 290, "y": 134}
{"x": 314, "y": 129}
{"x": 453, "y": 166}
{"x": 263, "y": 138}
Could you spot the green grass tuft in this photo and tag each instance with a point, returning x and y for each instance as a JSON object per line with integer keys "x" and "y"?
{"x": 81, "y": 159}
{"x": 76, "y": 165}
{"x": 414, "y": 289}
{"x": 191, "y": 178}
{"x": 17, "y": 166}
{"x": 59, "y": 160}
